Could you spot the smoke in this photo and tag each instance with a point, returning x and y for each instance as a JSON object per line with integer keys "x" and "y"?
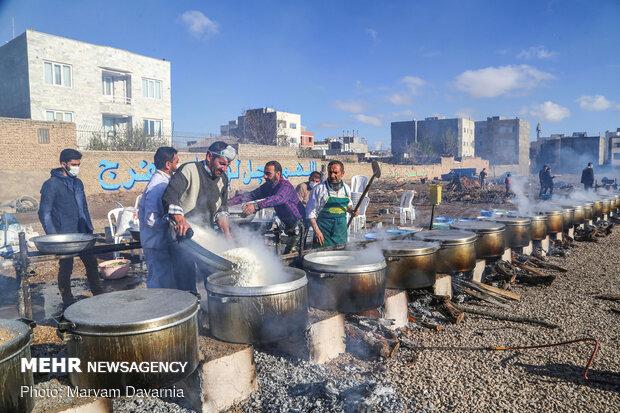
{"x": 269, "y": 269}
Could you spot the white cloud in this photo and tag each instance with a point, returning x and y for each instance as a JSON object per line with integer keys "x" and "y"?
{"x": 368, "y": 119}
{"x": 413, "y": 83}
{"x": 372, "y": 33}
{"x": 400, "y": 99}
{"x": 496, "y": 81}
{"x": 351, "y": 106}
{"x": 403, "y": 114}
{"x": 329, "y": 125}
{"x": 594, "y": 103}
{"x": 198, "y": 24}
{"x": 536, "y": 52}
{"x": 549, "y": 111}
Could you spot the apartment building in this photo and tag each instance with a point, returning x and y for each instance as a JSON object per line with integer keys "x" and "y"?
{"x": 99, "y": 88}
{"x": 266, "y": 126}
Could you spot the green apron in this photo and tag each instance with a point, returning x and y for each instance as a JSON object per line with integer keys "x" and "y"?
{"x": 332, "y": 221}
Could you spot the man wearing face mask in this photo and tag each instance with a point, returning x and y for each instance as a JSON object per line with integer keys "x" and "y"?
{"x": 304, "y": 188}
{"x": 63, "y": 210}
{"x": 279, "y": 193}
{"x": 198, "y": 191}
{"x": 155, "y": 236}
{"x": 328, "y": 206}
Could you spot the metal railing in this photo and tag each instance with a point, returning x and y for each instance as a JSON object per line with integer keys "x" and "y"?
{"x": 125, "y": 100}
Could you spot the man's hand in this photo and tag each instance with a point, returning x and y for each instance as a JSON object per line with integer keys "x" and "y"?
{"x": 249, "y": 208}
{"x": 317, "y": 231}
{"x": 353, "y": 213}
{"x": 182, "y": 225}
{"x": 224, "y": 225}
{"x": 319, "y": 236}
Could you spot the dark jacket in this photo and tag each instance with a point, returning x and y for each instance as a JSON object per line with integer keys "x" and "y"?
{"x": 587, "y": 176}
{"x": 63, "y": 208}
{"x": 546, "y": 178}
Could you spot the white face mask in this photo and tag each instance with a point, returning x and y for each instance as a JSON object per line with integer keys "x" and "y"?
{"x": 312, "y": 184}
{"x": 73, "y": 171}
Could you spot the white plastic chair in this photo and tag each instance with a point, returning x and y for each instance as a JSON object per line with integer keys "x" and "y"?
{"x": 358, "y": 183}
{"x": 359, "y": 221}
{"x": 406, "y": 210}
{"x": 113, "y": 217}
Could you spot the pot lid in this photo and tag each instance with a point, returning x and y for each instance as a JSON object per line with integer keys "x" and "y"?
{"x": 552, "y": 211}
{"x": 130, "y": 312}
{"x": 575, "y": 206}
{"x": 347, "y": 262}
{"x": 410, "y": 248}
{"x": 568, "y": 208}
{"x": 14, "y": 336}
{"x": 513, "y": 220}
{"x": 481, "y": 227}
{"x": 539, "y": 216}
{"x": 447, "y": 236}
{"x": 224, "y": 282}
{"x": 597, "y": 201}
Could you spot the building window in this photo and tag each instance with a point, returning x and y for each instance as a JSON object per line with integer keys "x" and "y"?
{"x": 58, "y": 115}
{"x": 44, "y": 135}
{"x": 616, "y": 156}
{"x": 617, "y": 145}
{"x": 108, "y": 86}
{"x": 152, "y": 127}
{"x": 151, "y": 88}
{"x": 292, "y": 125}
{"x": 58, "y": 74}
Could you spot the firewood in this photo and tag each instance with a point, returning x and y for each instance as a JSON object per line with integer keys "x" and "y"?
{"x": 501, "y": 296}
{"x": 372, "y": 343}
{"x": 608, "y": 297}
{"x": 530, "y": 269}
{"x": 487, "y": 298}
{"x": 431, "y": 326}
{"x": 511, "y": 295}
{"x": 451, "y": 312}
{"x": 538, "y": 279}
{"x": 505, "y": 317}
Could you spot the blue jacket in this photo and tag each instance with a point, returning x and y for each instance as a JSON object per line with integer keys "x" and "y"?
{"x": 63, "y": 208}
{"x": 154, "y": 228}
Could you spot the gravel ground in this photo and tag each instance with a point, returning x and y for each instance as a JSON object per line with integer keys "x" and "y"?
{"x": 474, "y": 381}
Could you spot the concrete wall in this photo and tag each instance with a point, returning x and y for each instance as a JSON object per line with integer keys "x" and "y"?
{"x": 570, "y": 154}
{"x": 14, "y": 85}
{"x": 85, "y": 97}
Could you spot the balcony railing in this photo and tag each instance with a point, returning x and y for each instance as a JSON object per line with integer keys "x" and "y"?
{"x": 124, "y": 100}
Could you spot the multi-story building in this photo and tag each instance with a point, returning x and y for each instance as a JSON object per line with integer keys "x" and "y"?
{"x": 504, "y": 142}
{"x": 447, "y": 136}
{"x": 266, "y": 126}
{"x": 99, "y": 88}
{"x": 570, "y": 154}
{"x": 403, "y": 134}
{"x": 307, "y": 139}
{"x": 613, "y": 139}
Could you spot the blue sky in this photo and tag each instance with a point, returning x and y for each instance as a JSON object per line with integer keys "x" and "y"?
{"x": 362, "y": 64}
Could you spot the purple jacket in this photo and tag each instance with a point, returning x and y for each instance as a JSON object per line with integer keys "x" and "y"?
{"x": 282, "y": 197}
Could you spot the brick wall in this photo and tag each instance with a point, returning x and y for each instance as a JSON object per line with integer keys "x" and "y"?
{"x": 20, "y": 145}
{"x": 125, "y": 170}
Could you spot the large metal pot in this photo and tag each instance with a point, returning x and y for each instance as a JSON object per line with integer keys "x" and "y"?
{"x": 345, "y": 281}
{"x": 491, "y": 242}
{"x": 597, "y": 208}
{"x": 588, "y": 211}
{"x": 15, "y": 338}
{"x": 568, "y": 217}
{"x": 579, "y": 215}
{"x": 517, "y": 231}
{"x": 606, "y": 206}
{"x": 141, "y": 325}
{"x": 410, "y": 264}
{"x": 555, "y": 221}
{"x": 457, "y": 252}
{"x": 538, "y": 227}
{"x": 262, "y": 314}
